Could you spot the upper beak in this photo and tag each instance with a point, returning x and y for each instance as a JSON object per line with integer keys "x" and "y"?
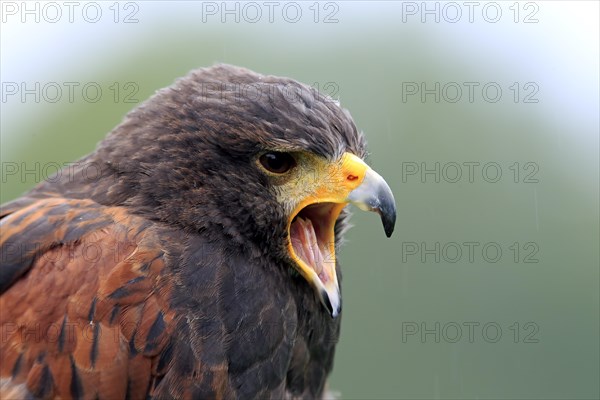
{"x": 374, "y": 194}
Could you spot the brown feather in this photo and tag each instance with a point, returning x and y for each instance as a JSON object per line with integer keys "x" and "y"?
{"x": 82, "y": 280}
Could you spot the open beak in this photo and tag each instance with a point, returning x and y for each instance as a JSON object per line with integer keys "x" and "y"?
{"x": 311, "y": 241}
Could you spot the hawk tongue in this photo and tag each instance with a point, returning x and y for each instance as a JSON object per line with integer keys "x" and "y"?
{"x": 306, "y": 246}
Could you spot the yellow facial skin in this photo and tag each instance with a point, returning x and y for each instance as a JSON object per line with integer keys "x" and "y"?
{"x": 315, "y": 180}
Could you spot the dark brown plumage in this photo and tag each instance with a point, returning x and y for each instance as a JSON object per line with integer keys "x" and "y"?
{"x": 170, "y": 272}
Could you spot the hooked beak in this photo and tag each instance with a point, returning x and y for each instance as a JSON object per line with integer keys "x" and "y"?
{"x": 311, "y": 237}
{"x": 374, "y": 194}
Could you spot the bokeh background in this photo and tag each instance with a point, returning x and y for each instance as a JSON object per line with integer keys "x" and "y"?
{"x": 423, "y": 316}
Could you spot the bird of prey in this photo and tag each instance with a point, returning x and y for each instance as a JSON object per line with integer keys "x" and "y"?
{"x": 192, "y": 254}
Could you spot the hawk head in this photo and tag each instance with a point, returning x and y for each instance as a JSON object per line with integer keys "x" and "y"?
{"x": 267, "y": 161}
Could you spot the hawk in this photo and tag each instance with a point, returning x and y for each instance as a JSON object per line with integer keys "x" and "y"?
{"x": 192, "y": 255}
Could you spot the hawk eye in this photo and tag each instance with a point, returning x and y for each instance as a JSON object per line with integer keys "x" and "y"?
{"x": 277, "y": 162}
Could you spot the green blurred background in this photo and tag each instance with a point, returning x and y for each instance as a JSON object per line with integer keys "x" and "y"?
{"x": 419, "y": 321}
